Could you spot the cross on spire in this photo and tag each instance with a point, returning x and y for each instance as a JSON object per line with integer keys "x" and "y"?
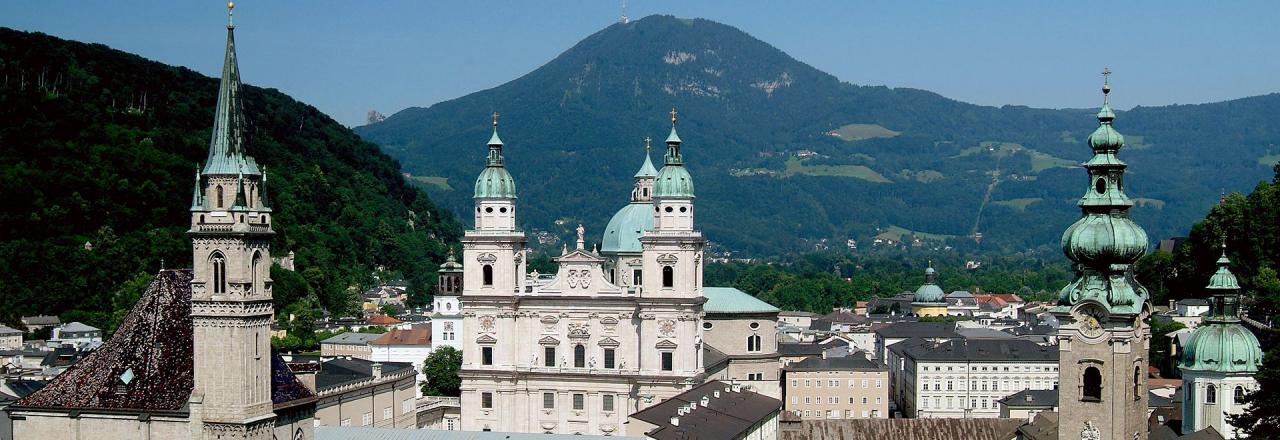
{"x": 230, "y": 7}
{"x": 495, "y": 120}
{"x": 647, "y": 140}
{"x": 673, "y": 116}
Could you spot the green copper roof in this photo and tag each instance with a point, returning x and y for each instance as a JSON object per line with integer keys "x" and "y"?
{"x": 495, "y": 181}
{"x": 673, "y": 181}
{"x": 226, "y": 147}
{"x": 929, "y": 292}
{"x": 1222, "y": 347}
{"x": 450, "y": 265}
{"x": 1104, "y": 242}
{"x": 1223, "y": 279}
{"x": 673, "y": 137}
{"x": 731, "y": 300}
{"x": 625, "y": 228}
{"x": 647, "y": 169}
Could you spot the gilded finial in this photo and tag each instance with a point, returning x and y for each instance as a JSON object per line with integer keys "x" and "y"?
{"x": 673, "y": 116}
{"x": 647, "y": 140}
{"x": 1106, "y": 83}
{"x": 495, "y": 120}
{"x": 230, "y": 7}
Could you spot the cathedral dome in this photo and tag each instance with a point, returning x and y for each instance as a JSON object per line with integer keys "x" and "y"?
{"x": 929, "y": 292}
{"x": 1222, "y": 347}
{"x": 1102, "y": 238}
{"x": 625, "y": 228}
{"x": 495, "y": 182}
{"x": 673, "y": 181}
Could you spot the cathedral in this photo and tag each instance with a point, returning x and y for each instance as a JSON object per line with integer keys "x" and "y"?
{"x": 610, "y": 334}
{"x": 193, "y": 358}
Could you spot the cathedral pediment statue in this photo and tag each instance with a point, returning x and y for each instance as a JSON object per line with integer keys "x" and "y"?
{"x": 580, "y": 273}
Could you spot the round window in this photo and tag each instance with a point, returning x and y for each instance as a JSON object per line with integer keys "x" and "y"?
{"x": 502, "y": 210}
{"x": 1100, "y": 186}
{"x": 706, "y": 325}
{"x": 668, "y": 209}
{"x": 488, "y": 209}
{"x": 754, "y": 325}
{"x": 683, "y": 209}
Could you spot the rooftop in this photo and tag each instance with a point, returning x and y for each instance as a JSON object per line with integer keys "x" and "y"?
{"x": 976, "y": 350}
{"x": 6, "y": 331}
{"x": 1031, "y": 398}
{"x": 420, "y": 335}
{"x": 383, "y": 320}
{"x": 917, "y": 429}
{"x": 78, "y": 327}
{"x": 351, "y": 338}
{"x": 919, "y": 330}
{"x": 339, "y": 372}
{"x": 720, "y": 411}
{"x": 365, "y": 433}
{"x": 41, "y": 320}
{"x": 731, "y": 300}
{"x": 854, "y": 362}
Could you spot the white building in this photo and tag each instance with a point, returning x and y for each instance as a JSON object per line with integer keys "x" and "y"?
{"x": 409, "y": 346}
{"x": 966, "y": 378}
{"x": 446, "y": 321}
{"x": 77, "y": 334}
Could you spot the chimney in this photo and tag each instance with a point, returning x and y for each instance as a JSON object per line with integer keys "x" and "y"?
{"x": 717, "y": 394}
{"x": 675, "y": 421}
{"x": 377, "y": 370}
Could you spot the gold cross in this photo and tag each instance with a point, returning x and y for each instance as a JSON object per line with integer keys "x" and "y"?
{"x": 673, "y": 116}
{"x": 646, "y": 144}
{"x": 1106, "y": 72}
{"x": 495, "y": 119}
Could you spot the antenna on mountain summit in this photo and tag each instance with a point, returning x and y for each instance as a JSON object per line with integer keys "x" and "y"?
{"x": 624, "y": 19}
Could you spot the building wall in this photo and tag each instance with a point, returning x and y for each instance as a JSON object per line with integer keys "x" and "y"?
{"x": 1117, "y": 349}
{"x": 11, "y": 342}
{"x": 415, "y": 354}
{"x": 1024, "y": 413}
{"x": 88, "y": 426}
{"x": 344, "y": 350}
{"x": 810, "y": 394}
{"x": 969, "y": 388}
{"x": 729, "y": 333}
{"x": 1198, "y": 413}
{"x": 351, "y": 403}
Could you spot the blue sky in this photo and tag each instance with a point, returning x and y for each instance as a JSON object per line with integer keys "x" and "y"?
{"x": 349, "y": 57}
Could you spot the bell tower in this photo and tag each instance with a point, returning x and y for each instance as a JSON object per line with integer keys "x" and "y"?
{"x": 231, "y": 290}
{"x": 673, "y": 248}
{"x": 1103, "y": 337}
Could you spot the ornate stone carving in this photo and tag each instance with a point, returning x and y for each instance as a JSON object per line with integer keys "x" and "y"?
{"x": 667, "y": 327}
{"x": 579, "y": 330}
{"x": 578, "y": 278}
{"x": 667, "y": 259}
{"x": 486, "y": 258}
{"x": 519, "y": 258}
{"x": 1090, "y": 432}
{"x": 549, "y": 319}
{"x": 608, "y": 320}
{"x": 486, "y": 323}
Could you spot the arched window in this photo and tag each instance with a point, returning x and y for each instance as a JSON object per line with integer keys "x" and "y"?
{"x": 668, "y": 276}
{"x": 1210, "y": 394}
{"x": 254, "y": 267}
{"x": 579, "y": 356}
{"x": 1092, "y": 389}
{"x": 1239, "y": 394}
{"x": 488, "y": 274}
{"x": 219, "y": 264}
{"x": 753, "y": 343}
{"x": 1137, "y": 383}
{"x": 219, "y": 191}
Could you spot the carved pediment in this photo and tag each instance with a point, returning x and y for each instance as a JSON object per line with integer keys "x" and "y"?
{"x": 548, "y": 340}
{"x": 608, "y": 320}
{"x": 609, "y": 342}
{"x": 665, "y": 344}
{"x": 549, "y": 319}
{"x": 579, "y": 331}
{"x": 486, "y": 258}
{"x": 486, "y": 339}
{"x": 667, "y": 259}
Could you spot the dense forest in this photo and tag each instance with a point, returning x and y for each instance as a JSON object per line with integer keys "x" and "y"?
{"x": 900, "y": 159}
{"x": 97, "y": 152}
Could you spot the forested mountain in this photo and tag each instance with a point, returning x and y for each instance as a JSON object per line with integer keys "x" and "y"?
{"x": 98, "y": 151}
{"x": 785, "y": 156}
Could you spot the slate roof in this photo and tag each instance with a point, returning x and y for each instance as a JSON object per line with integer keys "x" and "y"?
{"x": 983, "y": 333}
{"x": 155, "y": 343}
{"x": 1043, "y": 427}
{"x": 712, "y": 356}
{"x": 24, "y": 387}
{"x": 725, "y": 417}
{"x": 6, "y": 331}
{"x": 41, "y": 320}
{"x": 339, "y": 372}
{"x": 919, "y": 330}
{"x": 285, "y": 387}
{"x": 789, "y": 313}
{"x": 78, "y": 327}
{"x": 1031, "y": 398}
{"x": 915, "y": 429}
{"x": 976, "y": 350}
{"x": 804, "y": 348}
{"x": 351, "y": 338}
{"x": 845, "y": 363}
{"x": 369, "y": 433}
{"x": 420, "y": 336}
{"x": 731, "y": 300}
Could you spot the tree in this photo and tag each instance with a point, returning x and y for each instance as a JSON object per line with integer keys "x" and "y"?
{"x": 441, "y": 369}
{"x": 1262, "y": 420}
{"x": 1160, "y": 345}
{"x": 389, "y": 310}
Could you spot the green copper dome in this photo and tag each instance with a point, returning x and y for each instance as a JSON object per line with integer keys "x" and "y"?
{"x": 1222, "y": 347}
{"x": 929, "y": 292}
{"x": 647, "y": 169}
{"x": 625, "y": 228}
{"x": 1104, "y": 238}
{"x": 1223, "y": 279}
{"x": 1106, "y": 137}
{"x": 673, "y": 181}
{"x": 495, "y": 182}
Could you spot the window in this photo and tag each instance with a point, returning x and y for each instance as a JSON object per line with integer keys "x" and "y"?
{"x": 606, "y": 402}
{"x": 949, "y": 385}
{"x": 486, "y": 355}
{"x": 219, "y": 272}
{"x": 486, "y": 400}
{"x": 806, "y": 383}
{"x": 1239, "y": 394}
{"x": 579, "y": 401}
{"x": 755, "y": 376}
{"x": 367, "y": 419}
{"x": 831, "y": 414}
{"x": 346, "y": 422}
{"x": 219, "y": 190}
{"x": 864, "y": 414}
{"x": 668, "y": 276}
{"x": 795, "y": 383}
{"x": 579, "y": 356}
{"x": 864, "y": 383}
{"x": 608, "y": 358}
{"x": 833, "y": 383}
{"x": 406, "y": 407}
{"x": 753, "y": 343}
{"x": 832, "y": 400}
{"x": 1092, "y": 388}
{"x": 864, "y": 401}
{"x": 706, "y": 325}
{"x": 807, "y": 400}
{"x": 848, "y": 414}
{"x": 795, "y": 400}
{"x": 668, "y": 361}
{"x": 254, "y": 267}
{"x": 852, "y": 382}
{"x": 488, "y": 274}
{"x": 1210, "y": 394}
{"x": 548, "y": 400}
{"x": 851, "y": 401}
{"x": 549, "y": 356}
{"x": 937, "y": 386}
{"x": 879, "y": 383}
{"x": 386, "y": 413}
{"x": 636, "y": 278}
{"x": 1137, "y": 383}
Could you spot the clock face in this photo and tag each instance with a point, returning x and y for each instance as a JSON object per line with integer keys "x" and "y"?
{"x": 1091, "y": 319}
{"x": 448, "y": 326}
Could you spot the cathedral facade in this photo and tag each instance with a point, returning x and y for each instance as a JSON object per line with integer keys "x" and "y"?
{"x": 580, "y": 351}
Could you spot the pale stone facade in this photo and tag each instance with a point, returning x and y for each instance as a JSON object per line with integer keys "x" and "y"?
{"x": 837, "y": 388}
{"x": 967, "y": 379}
{"x": 380, "y": 400}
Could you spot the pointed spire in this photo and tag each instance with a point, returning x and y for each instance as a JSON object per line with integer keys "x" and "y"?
{"x": 226, "y": 146}
{"x": 197, "y": 199}
{"x": 646, "y": 168}
{"x": 673, "y": 142}
{"x": 262, "y": 190}
{"x": 495, "y": 145}
{"x": 240, "y": 197}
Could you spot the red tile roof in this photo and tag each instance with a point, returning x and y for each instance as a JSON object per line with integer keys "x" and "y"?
{"x": 383, "y": 320}
{"x": 420, "y": 335}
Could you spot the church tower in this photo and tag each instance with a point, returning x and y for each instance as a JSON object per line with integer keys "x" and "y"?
{"x": 673, "y": 248}
{"x": 621, "y": 241}
{"x": 493, "y": 252}
{"x": 231, "y": 286}
{"x": 1220, "y": 359}
{"x": 446, "y": 321}
{"x": 1103, "y": 337}
{"x": 929, "y": 299}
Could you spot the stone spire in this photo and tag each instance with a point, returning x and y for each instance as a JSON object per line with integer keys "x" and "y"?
{"x": 226, "y": 147}
{"x": 1104, "y": 242}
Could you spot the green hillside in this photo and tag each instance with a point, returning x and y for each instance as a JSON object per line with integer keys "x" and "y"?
{"x": 97, "y": 154}
{"x": 574, "y": 130}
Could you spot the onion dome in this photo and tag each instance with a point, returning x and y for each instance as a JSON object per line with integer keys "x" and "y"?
{"x": 1221, "y": 344}
{"x": 495, "y": 182}
{"x": 450, "y": 265}
{"x": 929, "y": 292}
{"x": 673, "y": 179}
{"x": 1104, "y": 242}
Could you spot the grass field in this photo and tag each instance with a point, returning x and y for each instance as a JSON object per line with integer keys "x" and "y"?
{"x": 1269, "y": 160}
{"x": 896, "y": 233}
{"x": 796, "y": 166}
{"x": 1148, "y": 203}
{"x": 433, "y": 181}
{"x": 858, "y": 132}
{"x": 1041, "y": 162}
{"x": 1018, "y": 204}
